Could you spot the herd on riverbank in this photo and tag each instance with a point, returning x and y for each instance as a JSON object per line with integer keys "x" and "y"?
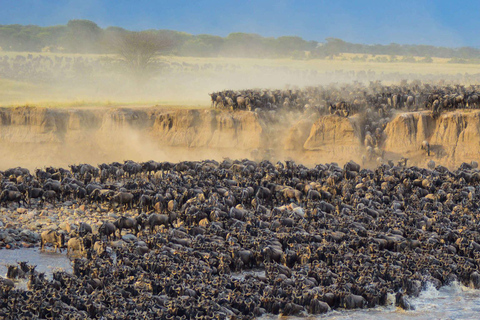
{"x": 238, "y": 239}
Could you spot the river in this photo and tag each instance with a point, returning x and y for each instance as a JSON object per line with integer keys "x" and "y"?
{"x": 450, "y": 302}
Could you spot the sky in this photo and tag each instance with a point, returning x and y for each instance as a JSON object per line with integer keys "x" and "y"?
{"x": 440, "y": 23}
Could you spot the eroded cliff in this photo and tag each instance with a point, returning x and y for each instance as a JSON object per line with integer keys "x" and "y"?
{"x": 454, "y": 137}
{"x": 35, "y": 137}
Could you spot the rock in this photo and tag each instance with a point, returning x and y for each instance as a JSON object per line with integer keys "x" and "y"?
{"x": 65, "y": 226}
{"x": 129, "y": 237}
{"x": 78, "y": 212}
{"x": 29, "y": 215}
{"x": 118, "y": 244}
{"x": 21, "y": 210}
{"x": 29, "y": 236}
{"x": 430, "y": 197}
{"x": 141, "y": 244}
{"x": 8, "y": 239}
{"x": 142, "y": 250}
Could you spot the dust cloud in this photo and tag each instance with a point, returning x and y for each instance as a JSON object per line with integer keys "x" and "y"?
{"x": 90, "y": 110}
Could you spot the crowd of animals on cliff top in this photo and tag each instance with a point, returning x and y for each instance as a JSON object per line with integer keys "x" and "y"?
{"x": 376, "y": 103}
{"x": 323, "y": 238}
{"x": 350, "y": 99}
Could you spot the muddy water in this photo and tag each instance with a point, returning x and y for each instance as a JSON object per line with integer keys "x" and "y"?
{"x": 451, "y": 302}
{"x": 47, "y": 261}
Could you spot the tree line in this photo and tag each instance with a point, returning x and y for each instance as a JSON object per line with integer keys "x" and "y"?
{"x": 84, "y": 36}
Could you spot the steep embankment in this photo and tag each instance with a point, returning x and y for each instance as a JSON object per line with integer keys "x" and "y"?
{"x": 454, "y": 137}
{"x": 335, "y": 138}
{"x": 208, "y": 129}
{"x": 35, "y": 137}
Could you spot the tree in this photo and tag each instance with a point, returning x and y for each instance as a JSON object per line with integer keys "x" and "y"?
{"x": 288, "y": 45}
{"x": 203, "y": 45}
{"x": 83, "y": 36}
{"x": 138, "y": 50}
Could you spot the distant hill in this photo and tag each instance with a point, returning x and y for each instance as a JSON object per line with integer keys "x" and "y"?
{"x": 84, "y": 36}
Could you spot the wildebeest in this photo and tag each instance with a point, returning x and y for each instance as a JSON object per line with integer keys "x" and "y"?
{"x": 84, "y": 229}
{"x": 155, "y": 219}
{"x": 426, "y": 147}
{"x": 107, "y": 229}
{"x": 50, "y": 196}
{"x": 33, "y": 193}
{"x": 290, "y": 194}
{"x": 12, "y": 195}
{"x": 99, "y": 247}
{"x": 126, "y": 223}
{"x": 124, "y": 199}
{"x": 54, "y": 237}
{"x": 75, "y": 244}
{"x": 15, "y": 272}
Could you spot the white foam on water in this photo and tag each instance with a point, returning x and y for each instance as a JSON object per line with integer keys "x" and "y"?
{"x": 454, "y": 301}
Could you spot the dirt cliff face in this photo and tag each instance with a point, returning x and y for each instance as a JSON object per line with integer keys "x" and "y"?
{"x": 208, "y": 129}
{"x": 334, "y": 139}
{"x": 454, "y": 137}
{"x": 35, "y": 137}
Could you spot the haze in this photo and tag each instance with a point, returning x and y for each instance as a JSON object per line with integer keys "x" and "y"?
{"x": 89, "y": 78}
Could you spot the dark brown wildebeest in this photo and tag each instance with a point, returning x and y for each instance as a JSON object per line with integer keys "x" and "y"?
{"x": 126, "y": 223}
{"x": 157, "y": 220}
{"x": 50, "y": 196}
{"x": 124, "y": 199}
{"x": 84, "y": 229}
{"x": 15, "y": 272}
{"x": 11, "y": 195}
{"x": 107, "y": 229}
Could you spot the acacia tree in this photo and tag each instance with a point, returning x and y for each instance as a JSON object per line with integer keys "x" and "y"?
{"x": 82, "y": 36}
{"x": 139, "y": 49}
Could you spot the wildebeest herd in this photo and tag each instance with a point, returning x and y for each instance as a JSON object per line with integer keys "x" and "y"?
{"x": 350, "y": 99}
{"x": 238, "y": 239}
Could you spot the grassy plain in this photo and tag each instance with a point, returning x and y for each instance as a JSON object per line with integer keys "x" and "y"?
{"x": 186, "y": 81}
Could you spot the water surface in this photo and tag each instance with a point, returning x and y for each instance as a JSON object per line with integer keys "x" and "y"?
{"x": 450, "y": 302}
{"x": 47, "y": 261}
